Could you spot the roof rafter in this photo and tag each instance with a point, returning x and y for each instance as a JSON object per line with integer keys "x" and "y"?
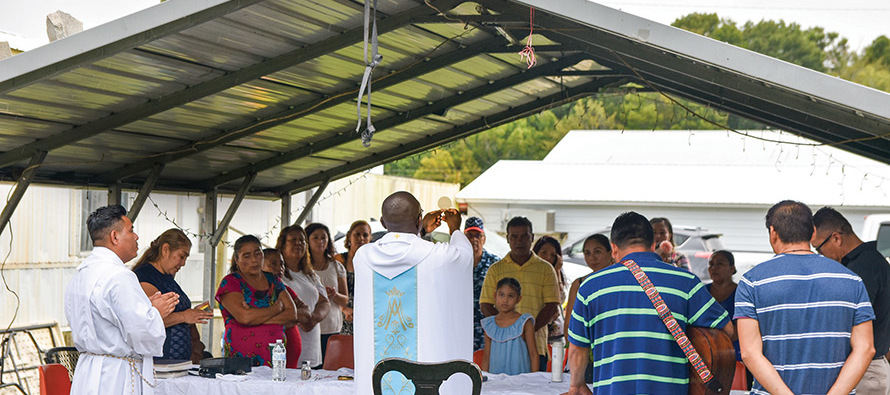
{"x": 302, "y": 110}
{"x": 458, "y": 132}
{"x": 383, "y": 124}
{"x": 215, "y": 85}
{"x": 144, "y": 33}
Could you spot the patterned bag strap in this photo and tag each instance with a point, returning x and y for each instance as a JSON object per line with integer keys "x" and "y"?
{"x": 673, "y": 327}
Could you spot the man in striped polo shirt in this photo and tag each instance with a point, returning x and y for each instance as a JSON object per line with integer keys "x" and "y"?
{"x": 633, "y": 352}
{"x": 804, "y": 321}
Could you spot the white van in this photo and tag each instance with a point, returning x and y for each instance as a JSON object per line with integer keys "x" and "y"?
{"x": 877, "y": 227}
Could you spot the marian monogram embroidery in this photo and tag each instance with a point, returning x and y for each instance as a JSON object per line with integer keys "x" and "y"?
{"x": 395, "y": 325}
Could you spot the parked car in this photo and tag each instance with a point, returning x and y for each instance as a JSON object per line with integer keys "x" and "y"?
{"x": 696, "y": 243}
{"x": 877, "y": 227}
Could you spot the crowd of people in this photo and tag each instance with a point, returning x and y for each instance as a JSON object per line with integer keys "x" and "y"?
{"x": 801, "y": 322}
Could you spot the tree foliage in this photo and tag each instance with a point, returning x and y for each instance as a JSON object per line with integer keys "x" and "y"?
{"x": 533, "y": 137}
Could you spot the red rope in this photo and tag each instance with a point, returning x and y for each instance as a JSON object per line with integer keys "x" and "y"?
{"x": 528, "y": 53}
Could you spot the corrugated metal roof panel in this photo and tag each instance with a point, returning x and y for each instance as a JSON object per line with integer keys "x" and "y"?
{"x": 269, "y": 86}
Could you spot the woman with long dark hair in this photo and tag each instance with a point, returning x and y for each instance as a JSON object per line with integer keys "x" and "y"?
{"x": 156, "y": 270}
{"x": 358, "y": 235}
{"x": 548, "y": 249}
{"x": 332, "y": 276}
{"x": 301, "y": 277}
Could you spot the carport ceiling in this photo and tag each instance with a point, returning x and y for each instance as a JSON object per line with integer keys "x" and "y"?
{"x": 209, "y": 93}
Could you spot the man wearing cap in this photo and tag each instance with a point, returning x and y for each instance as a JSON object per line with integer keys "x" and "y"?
{"x": 482, "y": 260}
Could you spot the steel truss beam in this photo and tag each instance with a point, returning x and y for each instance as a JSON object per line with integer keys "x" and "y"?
{"x": 754, "y": 99}
{"x": 312, "y": 201}
{"x": 148, "y": 34}
{"x": 20, "y": 187}
{"x": 249, "y": 73}
{"x": 383, "y": 124}
{"x": 230, "y": 213}
{"x": 145, "y": 191}
{"x": 456, "y": 133}
{"x": 306, "y": 109}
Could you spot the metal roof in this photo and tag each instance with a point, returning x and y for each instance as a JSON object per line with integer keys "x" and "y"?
{"x": 199, "y": 95}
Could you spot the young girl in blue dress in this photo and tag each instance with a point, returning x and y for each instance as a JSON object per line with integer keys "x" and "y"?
{"x": 509, "y": 336}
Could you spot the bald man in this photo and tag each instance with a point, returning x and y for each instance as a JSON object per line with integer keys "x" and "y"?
{"x": 412, "y": 296}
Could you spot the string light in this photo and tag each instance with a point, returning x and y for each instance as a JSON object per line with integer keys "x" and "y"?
{"x": 268, "y": 235}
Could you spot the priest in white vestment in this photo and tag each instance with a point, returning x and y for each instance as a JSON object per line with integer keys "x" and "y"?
{"x": 413, "y": 298}
{"x": 114, "y": 325}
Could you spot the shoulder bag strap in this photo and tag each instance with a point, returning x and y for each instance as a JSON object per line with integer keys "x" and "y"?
{"x": 673, "y": 327}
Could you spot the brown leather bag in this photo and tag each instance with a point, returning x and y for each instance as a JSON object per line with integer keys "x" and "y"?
{"x": 716, "y": 350}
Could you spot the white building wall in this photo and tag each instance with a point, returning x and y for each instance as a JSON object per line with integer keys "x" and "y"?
{"x": 45, "y": 231}
{"x": 742, "y": 227}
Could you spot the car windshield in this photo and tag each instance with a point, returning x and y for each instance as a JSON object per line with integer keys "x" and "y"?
{"x": 713, "y": 243}
{"x": 884, "y": 239}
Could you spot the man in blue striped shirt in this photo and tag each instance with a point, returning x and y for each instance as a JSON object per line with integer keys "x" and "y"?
{"x": 804, "y": 321}
{"x": 633, "y": 352}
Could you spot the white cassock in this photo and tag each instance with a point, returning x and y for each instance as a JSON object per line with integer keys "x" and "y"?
{"x": 109, "y": 314}
{"x": 411, "y": 301}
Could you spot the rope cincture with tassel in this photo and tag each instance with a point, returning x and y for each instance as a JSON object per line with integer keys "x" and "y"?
{"x": 375, "y": 59}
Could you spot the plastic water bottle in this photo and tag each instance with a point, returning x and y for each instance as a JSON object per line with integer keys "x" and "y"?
{"x": 556, "y": 364}
{"x": 306, "y": 371}
{"x": 279, "y": 360}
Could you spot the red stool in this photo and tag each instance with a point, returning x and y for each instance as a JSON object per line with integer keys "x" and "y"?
{"x": 54, "y": 380}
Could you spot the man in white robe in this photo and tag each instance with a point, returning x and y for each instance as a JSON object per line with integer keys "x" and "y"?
{"x": 412, "y": 296}
{"x": 114, "y": 325}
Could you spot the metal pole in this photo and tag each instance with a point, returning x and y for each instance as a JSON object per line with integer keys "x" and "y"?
{"x": 114, "y": 194}
{"x": 230, "y": 213}
{"x": 20, "y": 187}
{"x": 210, "y": 204}
{"x": 285, "y": 209}
{"x": 312, "y": 201}
{"x": 145, "y": 190}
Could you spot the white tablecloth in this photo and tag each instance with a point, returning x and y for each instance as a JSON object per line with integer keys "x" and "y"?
{"x": 325, "y": 382}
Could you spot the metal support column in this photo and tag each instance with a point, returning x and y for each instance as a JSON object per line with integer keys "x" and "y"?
{"x": 149, "y": 184}
{"x": 212, "y": 233}
{"x": 311, "y": 203}
{"x": 209, "y": 228}
{"x": 114, "y": 193}
{"x": 230, "y": 213}
{"x": 20, "y": 187}
{"x": 285, "y": 209}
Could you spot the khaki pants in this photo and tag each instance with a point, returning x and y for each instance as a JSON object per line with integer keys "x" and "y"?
{"x": 876, "y": 380}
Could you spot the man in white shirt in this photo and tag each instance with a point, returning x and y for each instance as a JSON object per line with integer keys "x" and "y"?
{"x": 114, "y": 325}
{"x": 412, "y": 297}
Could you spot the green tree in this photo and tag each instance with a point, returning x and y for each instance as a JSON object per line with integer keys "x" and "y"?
{"x": 878, "y": 52}
{"x": 710, "y": 25}
{"x": 533, "y": 137}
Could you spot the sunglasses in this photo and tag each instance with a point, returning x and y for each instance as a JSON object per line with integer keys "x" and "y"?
{"x": 819, "y": 248}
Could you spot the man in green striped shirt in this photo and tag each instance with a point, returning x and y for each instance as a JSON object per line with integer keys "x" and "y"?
{"x": 633, "y": 352}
